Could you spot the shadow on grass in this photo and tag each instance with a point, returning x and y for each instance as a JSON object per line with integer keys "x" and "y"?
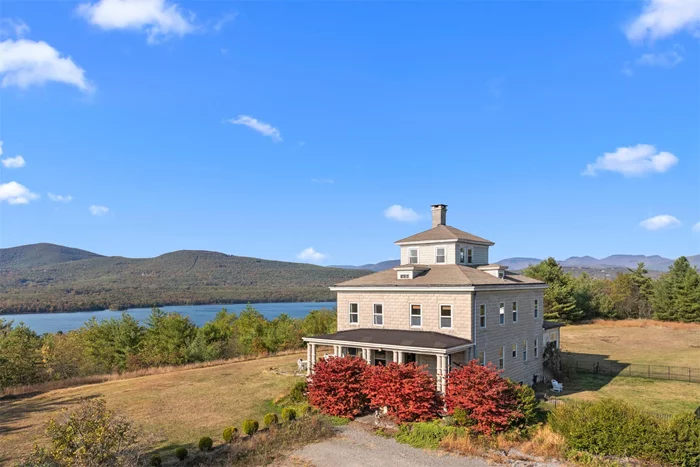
{"x": 13, "y": 410}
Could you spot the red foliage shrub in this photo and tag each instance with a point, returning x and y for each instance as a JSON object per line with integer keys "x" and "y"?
{"x": 336, "y": 386}
{"x": 479, "y": 393}
{"x": 407, "y": 391}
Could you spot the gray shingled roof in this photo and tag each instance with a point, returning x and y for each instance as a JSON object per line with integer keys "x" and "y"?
{"x": 440, "y": 275}
{"x": 444, "y": 232}
{"x": 406, "y": 338}
{"x": 551, "y": 325}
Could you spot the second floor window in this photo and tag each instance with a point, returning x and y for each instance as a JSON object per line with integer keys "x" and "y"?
{"x": 445, "y": 316}
{"x": 413, "y": 255}
{"x": 502, "y": 313}
{"x": 354, "y": 313}
{"x": 537, "y": 308}
{"x": 416, "y": 316}
{"x": 378, "y": 314}
{"x": 462, "y": 255}
{"x": 482, "y": 316}
{"x": 470, "y": 254}
{"x": 524, "y": 350}
{"x": 440, "y": 255}
{"x": 515, "y": 312}
{"x": 501, "y": 359}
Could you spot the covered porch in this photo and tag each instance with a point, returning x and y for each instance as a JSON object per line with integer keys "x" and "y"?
{"x": 439, "y": 352}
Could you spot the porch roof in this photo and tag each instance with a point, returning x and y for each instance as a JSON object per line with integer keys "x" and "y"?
{"x": 394, "y": 338}
{"x": 551, "y": 325}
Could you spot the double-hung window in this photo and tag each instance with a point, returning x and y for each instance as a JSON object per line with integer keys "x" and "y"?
{"x": 445, "y": 316}
{"x": 416, "y": 316}
{"x": 440, "y": 254}
{"x": 515, "y": 312}
{"x": 470, "y": 255}
{"x": 413, "y": 255}
{"x": 502, "y": 313}
{"x": 462, "y": 255}
{"x": 354, "y": 313}
{"x": 501, "y": 359}
{"x": 534, "y": 348}
{"x": 524, "y": 350}
{"x": 482, "y": 316}
{"x": 537, "y": 308}
{"x": 515, "y": 350}
{"x": 378, "y": 314}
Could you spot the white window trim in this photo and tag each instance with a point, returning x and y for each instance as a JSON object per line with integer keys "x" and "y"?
{"x": 514, "y": 350}
{"x": 350, "y": 313}
{"x": 502, "y": 358}
{"x": 482, "y": 360}
{"x": 536, "y": 348}
{"x": 480, "y": 305}
{"x": 525, "y": 351}
{"x": 444, "y": 255}
{"x": 417, "y": 255}
{"x": 462, "y": 260}
{"x": 501, "y": 313}
{"x": 470, "y": 254}
{"x": 515, "y": 312}
{"x": 452, "y": 315}
{"x": 410, "y": 315}
{"x": 374, "y": 314}
{"x": 536, "y": 308}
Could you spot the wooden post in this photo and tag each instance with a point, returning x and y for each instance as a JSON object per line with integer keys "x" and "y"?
{"x": 648, "y": 371}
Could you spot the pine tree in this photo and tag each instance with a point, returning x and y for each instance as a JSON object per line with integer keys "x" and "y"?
{"x": 559, "y": 298}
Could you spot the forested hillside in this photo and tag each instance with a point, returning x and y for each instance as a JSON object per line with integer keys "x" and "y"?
{"x": 32, "y": 283}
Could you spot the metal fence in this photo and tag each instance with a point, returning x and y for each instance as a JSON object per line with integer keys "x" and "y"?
{"x": 607, "y": 368}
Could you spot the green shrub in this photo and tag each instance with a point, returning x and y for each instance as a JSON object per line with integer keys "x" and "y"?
{"x": 181, "y": 453}
{"x": 230, "y": 433}
{"x": 288, "y": 414}
{"x": 306, "y": 410}
{"x": 425, "y": 434}
{"x": 156, "y": 461}
{"x": 297, "y": 394}
{"x": 270, "y": 419}
{"x": 683, "y": 441}
{"x": 527, "y": 406}
{"x": 250, "y": 427}
{"x": 205, "y": 444}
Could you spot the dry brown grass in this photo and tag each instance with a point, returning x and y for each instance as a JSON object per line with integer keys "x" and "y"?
{"x": 645, "y": 323}
{"x": 96, "y": 379}
{"x": 464, "y": 444}
{"x": 544, "y": 443}
{"x": 172, "y": 408}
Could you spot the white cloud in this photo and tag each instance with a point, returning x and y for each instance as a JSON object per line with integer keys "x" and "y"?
{"x": 400, "y": 213}
{"x": 323, "y": 181}
{"x": 633, "y": 161}
{"x": 159, "y": 19}
{"x": 696, "y": 227}
{"x": 24, "y": 63}
{"x": 13, "y": 162}
{"x": 221, "y": 22}
{"x": 60, "y": 198}
{"x": 660, "y": 222}
{"x": 667, "y": 59}
{"x": 309, "y": 254}
{"x": 0, "y": 148}
{"x": 14, "y": 193}
{"x": 96, "y": 210}
{"x": 11, "y": 27}
{"x": 261, "y": 127}
{"x": 663, "y": 18}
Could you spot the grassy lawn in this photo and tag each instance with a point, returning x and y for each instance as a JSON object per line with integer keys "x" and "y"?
{"x": 175, "y": 408}
{"x": 644, "y": 342}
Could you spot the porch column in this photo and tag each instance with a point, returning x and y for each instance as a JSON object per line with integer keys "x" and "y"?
{"x": 308, "y": 359}
{"x": 312, "y": 360}
{"x": 445, "y": 370}
{"x": 337, "y": 351}
{"x": 401, "y": 357}
{"x": 368, "y": 355}
{"x": 438, "y": 372}
{"x": 396, "y": 356}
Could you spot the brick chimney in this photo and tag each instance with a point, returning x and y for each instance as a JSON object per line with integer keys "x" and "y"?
{"x": 439, "y": 212}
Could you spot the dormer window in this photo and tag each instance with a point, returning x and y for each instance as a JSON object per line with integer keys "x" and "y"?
{"x": 462, "y": 255}
{"x": 501, "y": 274}
{"x": 404, "y": 275}
{"x": 413, "y": 255}
{"x": 440, "y": 254}
{"x": 470, "y": 255}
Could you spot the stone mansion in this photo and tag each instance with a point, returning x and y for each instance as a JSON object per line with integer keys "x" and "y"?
{"x": 444, "y": 305}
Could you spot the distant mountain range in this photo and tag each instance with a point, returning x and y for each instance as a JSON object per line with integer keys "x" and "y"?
{"x": 47, "y": 277}
{"x": 652, "y": 263}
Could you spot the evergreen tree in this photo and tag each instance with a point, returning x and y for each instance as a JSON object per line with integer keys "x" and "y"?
{"x": 676, "y": 295}
{"x": 559, "y": 299}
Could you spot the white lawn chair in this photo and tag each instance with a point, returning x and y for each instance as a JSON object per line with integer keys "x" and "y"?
{"x": 557, "y": 386}
{"x": 302, "y": 365}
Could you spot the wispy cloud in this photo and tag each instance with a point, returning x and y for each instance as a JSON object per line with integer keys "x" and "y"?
{"x": 311, "y": 255}
{"x": 16, "y": 162}
{"x": 13, "y": 27}
{"x": 696, "y": 227}
{"x": 667, "y": 59}
{"x": 14, "y": 193}
{"x": 259, "y": 126}
{"x": 158, "y": 19}
{"x": 24, "y": 63}
{"x": 223, "y": 20}
{"x": 664, "y": 18}
{"x": 60, "y": 198}
{"x": 96, "y": 210}
{"x": 663, "y": 221}
{"x": 401, "y": 214}
{"x": 633, "y": 161}
{"x": 323, "y": 181}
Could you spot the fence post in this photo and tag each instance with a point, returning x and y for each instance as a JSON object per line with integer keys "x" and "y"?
{"x": 649, "y": 371}
{"x": 689, "y": 380}
{"x": 669, "y": 372}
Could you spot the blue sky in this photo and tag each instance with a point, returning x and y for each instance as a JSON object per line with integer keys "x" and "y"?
{"x": 270, "y": 128}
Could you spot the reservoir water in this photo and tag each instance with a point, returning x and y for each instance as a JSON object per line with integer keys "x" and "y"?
{"x": 199, "y": 314}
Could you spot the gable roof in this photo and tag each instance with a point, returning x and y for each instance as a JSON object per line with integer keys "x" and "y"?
{"x": 445, "y": 275}
{"x": 444, "y": 232}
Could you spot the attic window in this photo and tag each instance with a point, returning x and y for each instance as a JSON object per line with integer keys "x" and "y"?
{"x": 404, "y": 275}
{"x": 501, "y": 274}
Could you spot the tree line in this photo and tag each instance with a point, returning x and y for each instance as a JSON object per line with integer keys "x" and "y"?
{"x": 675, "y": 296}
{"x": 167, "y": 338}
